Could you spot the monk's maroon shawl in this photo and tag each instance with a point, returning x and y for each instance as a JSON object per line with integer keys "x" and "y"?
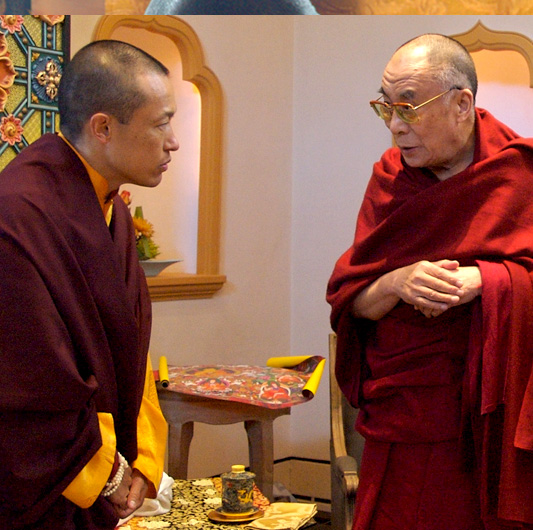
{"x": 482, "y": 216}
{"x": 74, "y": 329}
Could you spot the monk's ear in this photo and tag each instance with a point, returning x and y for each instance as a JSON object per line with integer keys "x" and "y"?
{"x": 465, "y": 103}
{"x": 100, "y": 127}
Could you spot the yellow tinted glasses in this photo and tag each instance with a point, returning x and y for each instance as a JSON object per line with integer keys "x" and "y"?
{"x": 405, "y": 111}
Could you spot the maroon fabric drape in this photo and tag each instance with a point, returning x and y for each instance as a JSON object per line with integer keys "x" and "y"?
{"x": 483, "y": 216}
{"x": 75, "y": 320}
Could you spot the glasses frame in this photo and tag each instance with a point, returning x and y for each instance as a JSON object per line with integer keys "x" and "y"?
{"x": 379, "y": 106}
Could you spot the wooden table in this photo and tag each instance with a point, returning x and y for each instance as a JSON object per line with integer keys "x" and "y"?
{"x": 183, "y": 410}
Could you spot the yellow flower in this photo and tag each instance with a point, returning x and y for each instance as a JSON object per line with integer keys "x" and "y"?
{"x": 143, "y": 227}
{"x": 144, "y": 230}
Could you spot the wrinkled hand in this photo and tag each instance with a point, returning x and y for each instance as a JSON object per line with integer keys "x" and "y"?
{"x": 133, "y": 496}
{"x": 429, "y": 285}
{"x": 467, "y": 278}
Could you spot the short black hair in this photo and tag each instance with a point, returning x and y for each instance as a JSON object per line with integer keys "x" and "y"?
{"x": 103, "y": 77}
{"x": 231, "y": 7}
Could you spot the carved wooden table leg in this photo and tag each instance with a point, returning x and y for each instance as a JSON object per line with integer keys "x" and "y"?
{"x": 182, "y": 410}
{"x": 179, "y": 441}
{"x": 261, "y": 451}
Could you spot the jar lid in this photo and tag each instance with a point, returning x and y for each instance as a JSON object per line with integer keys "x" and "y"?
{"x": 237, "y": 469}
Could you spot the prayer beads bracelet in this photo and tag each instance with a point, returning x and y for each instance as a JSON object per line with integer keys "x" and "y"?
{"x": 113, "y": 486}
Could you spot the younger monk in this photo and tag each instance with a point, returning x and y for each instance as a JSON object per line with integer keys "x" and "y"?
{"x": 82, "y": 438}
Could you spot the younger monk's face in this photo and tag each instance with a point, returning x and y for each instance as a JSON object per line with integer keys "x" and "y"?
{"x": 139, "y": 151}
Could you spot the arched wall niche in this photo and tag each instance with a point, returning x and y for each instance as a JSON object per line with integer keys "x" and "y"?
{"x": 481, "y": 38}
{"x": 206, "y": 279}
{"x": 504, "y": 61}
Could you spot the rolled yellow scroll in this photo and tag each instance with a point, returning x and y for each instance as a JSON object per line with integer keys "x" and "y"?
{"x": 163, "y": 371}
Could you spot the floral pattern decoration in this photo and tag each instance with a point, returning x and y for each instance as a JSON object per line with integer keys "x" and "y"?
{"x": 12, "y": 23}
{"x": 192, "y": 501}
{"x": 7, "y": 72}
{"x": 263, "y": 386}
{"x": 11, "y": 129}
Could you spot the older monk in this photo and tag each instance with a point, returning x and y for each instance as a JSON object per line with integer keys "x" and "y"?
{"x": 433, "y": 307}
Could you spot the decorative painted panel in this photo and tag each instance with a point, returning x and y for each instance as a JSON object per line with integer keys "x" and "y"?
{"x": 33, "y": 52}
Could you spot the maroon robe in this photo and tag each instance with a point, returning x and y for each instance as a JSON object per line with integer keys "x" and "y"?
{"x": 75, "y": 320}
{"x": 464, "y": 377}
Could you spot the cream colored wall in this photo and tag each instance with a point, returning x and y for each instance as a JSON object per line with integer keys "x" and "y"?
{"x": 81, "y": 30}
{"x": 300, "y": 140}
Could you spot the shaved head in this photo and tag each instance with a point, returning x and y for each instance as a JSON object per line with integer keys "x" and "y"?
{"x": 448, "y": 61}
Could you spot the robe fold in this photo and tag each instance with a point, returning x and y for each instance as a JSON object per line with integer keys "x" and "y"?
{"x": 74, "y": 331}
{"x": 466, "y": 374}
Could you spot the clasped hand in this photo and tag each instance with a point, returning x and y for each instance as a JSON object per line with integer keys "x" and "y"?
{"x": 434, "y": 287}
{"x": 130, "y": 494}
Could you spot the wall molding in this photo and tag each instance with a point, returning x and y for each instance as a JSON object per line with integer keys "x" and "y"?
{"x": 480, "y": 37}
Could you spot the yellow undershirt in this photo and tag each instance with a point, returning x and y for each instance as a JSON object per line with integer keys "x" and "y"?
{"x": 151, "y": 425}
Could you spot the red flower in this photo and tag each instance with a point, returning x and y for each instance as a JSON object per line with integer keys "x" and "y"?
{"x": 11, "y": 130}
{"x": 12, "y": 23}
{"x": 126, "y": 197}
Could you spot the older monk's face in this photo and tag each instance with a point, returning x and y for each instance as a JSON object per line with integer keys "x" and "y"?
{"x": 436, "y": 140}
